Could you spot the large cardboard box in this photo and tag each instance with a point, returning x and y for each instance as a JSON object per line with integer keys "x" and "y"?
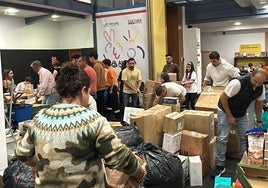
{"x": 148, "y": 99}
{"x": 208, "y": 99}
{"x": 251, "y": 175}
{"x": 199, "y": 121}
{"x": 150, "y": 86}
{"x": 128, "y": 111}
{"x": 172, "y": 143}
{"x": 173, "y": 123}
{"x": 212, "y": 152}
{"x": 233, "y": 146}
{"x": 174, "y": 107}
{"x": 193, "y": 144}
{"x": 172, "y": 77}
{"x": 150, "y": 123}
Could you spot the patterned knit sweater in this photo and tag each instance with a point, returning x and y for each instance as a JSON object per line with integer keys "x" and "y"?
{"x": 69, "y": 141}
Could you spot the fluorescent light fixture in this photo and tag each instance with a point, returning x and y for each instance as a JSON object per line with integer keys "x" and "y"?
{"x": 11, "y": 11}
{"x": 265, "y": 7}
{"x": 237, "y": 23}
{"x": 54, "y": 16}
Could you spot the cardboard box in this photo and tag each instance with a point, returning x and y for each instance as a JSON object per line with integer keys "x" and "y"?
{"x": 195, "y": 171}
{"x": 172, "y": 77}
{"x": 215, "y": 124}
{"x": 199, "y": 121}
{"x": 128, "y": 111}
{"x": 172, "y": 143}
{"x": 148, "y": 97}
{"x": 173, "y": 123}
{"x": 115, "y": 123}
{"x": 150, "y": 86}
{"x": 266, "y": 145}
{"x": 212, "y": 152}
{"x": 208, "y": 99}
{"x": 174, "y": 107}
{"x": 150, "y": 123}
{"x": 233, "y": 146}
{"x": 185, "y": 166}
{"x": 193, "y": 144}
{"x": 247, "y": 172}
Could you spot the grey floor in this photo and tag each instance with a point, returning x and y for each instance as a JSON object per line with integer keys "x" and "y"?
{"x": 208, "y": 182}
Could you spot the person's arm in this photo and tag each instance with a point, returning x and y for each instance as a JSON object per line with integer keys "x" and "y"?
{"x": 258, "y": 111}
{"x": 224, "y": 100}
{"x": 139, "y": 85}
{"x": 157, "y": 100}
{"x": 127, "y": 84}
{"x": 118, "y": 156}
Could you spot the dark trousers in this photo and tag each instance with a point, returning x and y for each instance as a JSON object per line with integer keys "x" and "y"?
{"x": 112, "y": 103}
{"x": 191, "y": 99}
{"x": 100, "y": 101}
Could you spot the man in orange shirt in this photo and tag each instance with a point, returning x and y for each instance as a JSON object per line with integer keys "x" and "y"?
{"x": 112, "y": 104}
{"x": 83, "y": 63}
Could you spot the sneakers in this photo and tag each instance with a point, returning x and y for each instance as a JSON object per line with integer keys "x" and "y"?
{"x": 218, "y": 171}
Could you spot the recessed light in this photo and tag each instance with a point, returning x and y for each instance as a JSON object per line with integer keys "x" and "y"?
{"x": 10, "y": 11}
{"x": 265, "y": 6}
{"x": 237, "y": 23}
{"x": 54, "y": 16}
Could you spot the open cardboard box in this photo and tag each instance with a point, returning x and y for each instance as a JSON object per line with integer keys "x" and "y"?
{"x": 251, "y": 175}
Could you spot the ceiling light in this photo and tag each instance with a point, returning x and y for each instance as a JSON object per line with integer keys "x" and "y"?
{"x": 54, "y": 16}
{"x": 10, "y": 11}
{"x": 265, "y": 6}
{"x": 237, "y": 23}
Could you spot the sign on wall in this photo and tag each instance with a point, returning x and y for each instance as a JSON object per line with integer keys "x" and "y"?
{"x": 250, "y": 49}
{"x": 122, "y": 35}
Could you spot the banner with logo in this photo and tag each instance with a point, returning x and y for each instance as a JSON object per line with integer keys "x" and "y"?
{"x": 122, "y": 35}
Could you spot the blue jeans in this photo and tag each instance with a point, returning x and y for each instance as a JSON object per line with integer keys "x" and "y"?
{"x": 223, "y": 135}
{"x": 130, "y": 100}
{"x": 51, "y": 99}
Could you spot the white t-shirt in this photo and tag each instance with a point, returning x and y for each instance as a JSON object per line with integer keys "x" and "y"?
{"x": 92, "y": 103}
{"x": 190, "y": 88}
{"x": 234, "y": 87}
{"x": 174, "y": 89}
{"x": 221, "y": 74}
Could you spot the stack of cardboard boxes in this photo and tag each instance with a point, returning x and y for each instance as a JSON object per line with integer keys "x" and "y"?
{"x": 149, "y": 93}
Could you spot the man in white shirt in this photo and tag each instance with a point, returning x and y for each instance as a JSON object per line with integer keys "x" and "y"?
{"x": 169, "y": 89}
{"x": 219, "y": 71}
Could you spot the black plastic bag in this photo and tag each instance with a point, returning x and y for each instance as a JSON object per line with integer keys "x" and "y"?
{"x": 163, "y": 168}
{"x": 18, "y": 175}
{"x": 129, "y": 135}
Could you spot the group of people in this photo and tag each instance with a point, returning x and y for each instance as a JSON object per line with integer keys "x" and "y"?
{"x": 240, "y": 94}
{"x": 185, "y": 90}
{"x": 66, "y": 142}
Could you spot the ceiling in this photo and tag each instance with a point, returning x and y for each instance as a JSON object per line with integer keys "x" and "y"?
{"x": 219, "y": 16}
{"x": 39, "y": 10}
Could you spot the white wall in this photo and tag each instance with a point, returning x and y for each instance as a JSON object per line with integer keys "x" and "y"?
{"x": 76, "y": 34}
{"x": 45, "y": 34}
{"x": 3, "y": 153}
{"x": 228, "y": 44}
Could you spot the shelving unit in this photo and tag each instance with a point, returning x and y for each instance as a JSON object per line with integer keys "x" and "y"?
{"x": 242, "y": 62}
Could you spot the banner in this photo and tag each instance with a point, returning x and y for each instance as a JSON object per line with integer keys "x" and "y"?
{"x": 122, "y": 35}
